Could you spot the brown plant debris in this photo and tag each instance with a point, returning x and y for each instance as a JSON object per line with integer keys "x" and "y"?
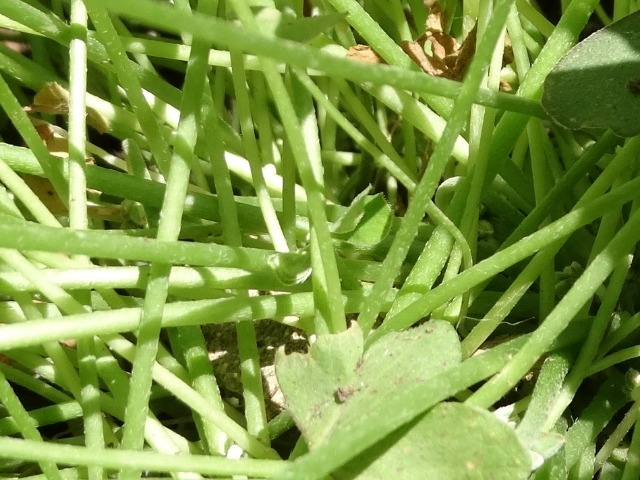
{"x": 364, "y": 53}
{"x": 447, "y": 58}
{"x": 53, "y": 99}
{"x": 436, "y": 52}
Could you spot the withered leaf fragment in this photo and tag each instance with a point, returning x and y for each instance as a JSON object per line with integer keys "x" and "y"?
{"x": 364, "y": 53}
{"x": 53, "y": 99}
{"x": 436, "y": 52}
{"x": 431, "y": 65}
{"x": 448, "y": 59}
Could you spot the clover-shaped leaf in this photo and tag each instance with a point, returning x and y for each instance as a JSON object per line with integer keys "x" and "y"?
{"x": 335, "y": 386}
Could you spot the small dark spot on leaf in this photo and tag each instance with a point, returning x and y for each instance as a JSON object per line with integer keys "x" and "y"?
{"x": 342, "y": 394}
{"x": 633, "y": 85}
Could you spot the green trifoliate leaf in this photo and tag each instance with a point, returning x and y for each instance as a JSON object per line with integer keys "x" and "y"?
{"x": 335, "y": 387}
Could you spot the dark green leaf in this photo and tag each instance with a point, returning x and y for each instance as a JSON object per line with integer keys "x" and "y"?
{"x": 597, "y": 83}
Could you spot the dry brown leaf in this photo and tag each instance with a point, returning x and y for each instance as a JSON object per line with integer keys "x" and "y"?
{"x": 45, "y": 192}
{"x": 54, "y": 140}
{"x": 53, "y": 99}
{"x": 507, "y": 56}
{"x": 447, "y": 59}
{"x": 43, "y": 188}
{"x": 364, "y": 53}
{"x": 443, "y": 45}
{"x": 464, "y": 55}
{"x": 429, "y": 65}
{"x": 435, "y": 19}
{"x": 56, "y": 143}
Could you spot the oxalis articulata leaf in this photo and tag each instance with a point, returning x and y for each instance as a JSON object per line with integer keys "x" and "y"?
{"x": 339, "y": 385}
{"x": 597, "y": 83}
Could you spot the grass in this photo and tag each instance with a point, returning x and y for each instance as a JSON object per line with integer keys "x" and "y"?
{"x": 173, "y": 175}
